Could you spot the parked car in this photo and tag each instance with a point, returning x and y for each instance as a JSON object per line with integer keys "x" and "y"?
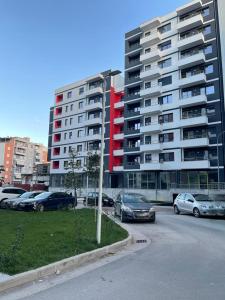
{"x": 12, "y": 203}
{"x": 48, "y": 201}
{"x": 9, "y": 193}
{"x": 200, "y": 204}
{"x": 92, "y": 199}
{"x": 132, "y": 206}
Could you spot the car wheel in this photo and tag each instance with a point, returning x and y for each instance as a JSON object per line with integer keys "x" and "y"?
{"x": 176, "y": 210}
{"x": 152, "y": 220}
{"x": 40, "y": 208}
{"x": 122, "y": 218}
{"x": 196, "y": 212}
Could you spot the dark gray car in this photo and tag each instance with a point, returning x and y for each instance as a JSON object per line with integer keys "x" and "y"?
{"x": 132, "y": 206}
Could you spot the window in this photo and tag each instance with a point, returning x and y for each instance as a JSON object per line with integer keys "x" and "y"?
{"x": 209, "y": 69}
{"x": 70, "y": 149}
{"x": 66, "y": 122}
{"x": 165, "y": 81}
{"x": 71, "y": 121}
{"x": 166, "y": 156}
{"x": 79, "y": 133}
{"x": 207, "y": 30}
{"x": 81, "y": 104}
{"x": 81, "y": 90}
{"x": 70, "y": 135}
{"x": 166, "y": 137}
{"x": 79, "y": 148}
{"x": 208, "y": 49}
{"x": 164, "y": 46}
{"x": 66, "y": 108}
{"x": 134, "y": 75}
{"x": 65, "y": 136}
{"x": 69, "y": 94}
{"x": 165, "y": 99}
{"x": 78, "y": 163}
{"x": 165, "y": 118}
{"x": 165, "y": 63}
{"x": 148, "y": 33}
{"x": 80, "y": 119}
{"x": 64, "y": 150}
{"x": 71, "y": 107}
{"x": 205, "y": 12}
{"x": 148, "y": 102}
{"x": 147, "y": 85}
{"x": 209, "y": 90}
{"x": 147, "y": 121}
{"x": 147, "y": 50}
{"x": 148, "y": 139}
{"x": 65, "y": 164}
{"x": 148, "y": 158}
{"x": 211, "y": 110}
{"x": 148, "y": 67}
{"x": 165, "y": 28}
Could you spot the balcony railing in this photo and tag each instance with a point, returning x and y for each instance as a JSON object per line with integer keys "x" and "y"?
{"x": 190, "y": 114}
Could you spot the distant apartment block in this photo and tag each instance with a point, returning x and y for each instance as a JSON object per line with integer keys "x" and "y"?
{"x": 75, "y": 123}
{"x": 20, "y": 156}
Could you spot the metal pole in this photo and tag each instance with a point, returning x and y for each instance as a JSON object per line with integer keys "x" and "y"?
{"x": 99, "y": 216}
{"x": 218, "y": 165}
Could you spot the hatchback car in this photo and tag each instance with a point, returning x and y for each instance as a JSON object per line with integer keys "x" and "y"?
{"x": 9, "y": 193}
{"x": 48, "y": 201}
{"x": 13, "y": 203}
{"x": 131, "y": 206}
{"x": 92, "y": 199}
{"x": 200, "y": 204}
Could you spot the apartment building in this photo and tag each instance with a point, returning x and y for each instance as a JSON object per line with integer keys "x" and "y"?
{"x": 174, "y": 100}
{"x": 76, "y": 120}
{"x": 20, "y": 156}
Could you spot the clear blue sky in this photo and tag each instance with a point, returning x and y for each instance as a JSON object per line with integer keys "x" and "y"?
{"x": 45, "y": 44}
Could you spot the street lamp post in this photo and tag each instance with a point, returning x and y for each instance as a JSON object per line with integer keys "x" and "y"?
{"x": 101, "y": 171}
{"x": 218, "y": 163}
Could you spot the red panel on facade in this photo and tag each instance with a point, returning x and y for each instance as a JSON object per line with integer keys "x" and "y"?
{"x": 58, "y": 111}
{"x": 59, "y": 98}
{"x": 58, "y": 124}
{"x": 57, "y": 137}
{"x": 56, "y": 151}
{"x": 55, "y": 164}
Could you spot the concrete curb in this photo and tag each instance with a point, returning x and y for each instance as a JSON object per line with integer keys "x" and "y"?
{"x": 63, "y": 265}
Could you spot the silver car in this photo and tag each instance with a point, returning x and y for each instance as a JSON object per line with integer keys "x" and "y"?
{"x": 200, "y": 204}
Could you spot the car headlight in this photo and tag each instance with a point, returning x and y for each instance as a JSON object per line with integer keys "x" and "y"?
{"x": 126, "y": 208}
{"x": 152, "y": 209}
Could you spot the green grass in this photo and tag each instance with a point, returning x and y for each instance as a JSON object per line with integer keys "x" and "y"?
{"x": 29, "y": 240}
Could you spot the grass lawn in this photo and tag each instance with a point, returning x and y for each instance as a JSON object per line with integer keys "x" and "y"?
{"x": 29, "y": 240}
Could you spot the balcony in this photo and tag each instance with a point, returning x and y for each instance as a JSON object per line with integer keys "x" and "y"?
{"x": 93, "y": 106}
{"x": 90, "y": 137}
{"x": 191, "y": 41}
{"x": 154, "y": 127}
{"x": 191, "y": 6}
{"x": 151, "y": 147}
{"x": 152, "y": 109}
{"x": 119, "y": 120}
{"x": 148, "y": 25}
{"x": 154, "y": 91}
{"x": 195, "y": 100}
{"x": 152, "y": 166}
{"x": 118, "y": 168}
{"x": 119, "y": 105}
{"x": 94, "y": 91}
{"x": 118, "y": 152}
{"x": 151, "y": 39}
{"x": 192, "y": 80}
{"x": 195, "y": 164}
{"x": 189, "y": 23}
{"x": 150, "y": 57}
{"x": 191, "y": 61}
{"x": 93, "y": 121}
{"x": 151, "y": 74}
{"x": 118, "y": 136}
{"x": 193, "y": 121}
{"x": 195, "y": 142}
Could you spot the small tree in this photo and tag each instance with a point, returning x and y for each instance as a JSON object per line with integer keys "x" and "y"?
{"x": 92, "y": 168}
{"x": 73, "y": 179}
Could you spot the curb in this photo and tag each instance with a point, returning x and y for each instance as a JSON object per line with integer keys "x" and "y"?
{"x": 63, "y": 265}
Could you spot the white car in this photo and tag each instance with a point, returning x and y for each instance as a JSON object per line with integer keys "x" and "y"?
{"x": 200, "y": 204}
{"x": 10, "y": 192}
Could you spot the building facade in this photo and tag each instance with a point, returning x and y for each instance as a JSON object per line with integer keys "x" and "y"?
{"x": 76, "y": 120}
{"x": 20, "y": 156}
{"x": 174, "y": 99}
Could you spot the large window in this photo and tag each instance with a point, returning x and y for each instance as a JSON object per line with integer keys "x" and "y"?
{"x": 144, "y": 180}
{"x": 165, "y": 28}
{"x": 165, "y": 99}
{"x": 165, "y": 118}
{"x": 165, "y": 81}
{"x": 166, "y": 137}
{"x": 165, "y": 63}
{"x": 166, "y": 156}
{"x": 164, "y": 46}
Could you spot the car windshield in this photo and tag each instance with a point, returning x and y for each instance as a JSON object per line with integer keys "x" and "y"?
{"x": 134, "y": 198}
{"x": 27, "y": 195}
{"x": 201, "y": 197}
{"x": 43, "y": 195}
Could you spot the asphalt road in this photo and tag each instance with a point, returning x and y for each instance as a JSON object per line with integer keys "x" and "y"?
{"x": 185, "y": 260}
